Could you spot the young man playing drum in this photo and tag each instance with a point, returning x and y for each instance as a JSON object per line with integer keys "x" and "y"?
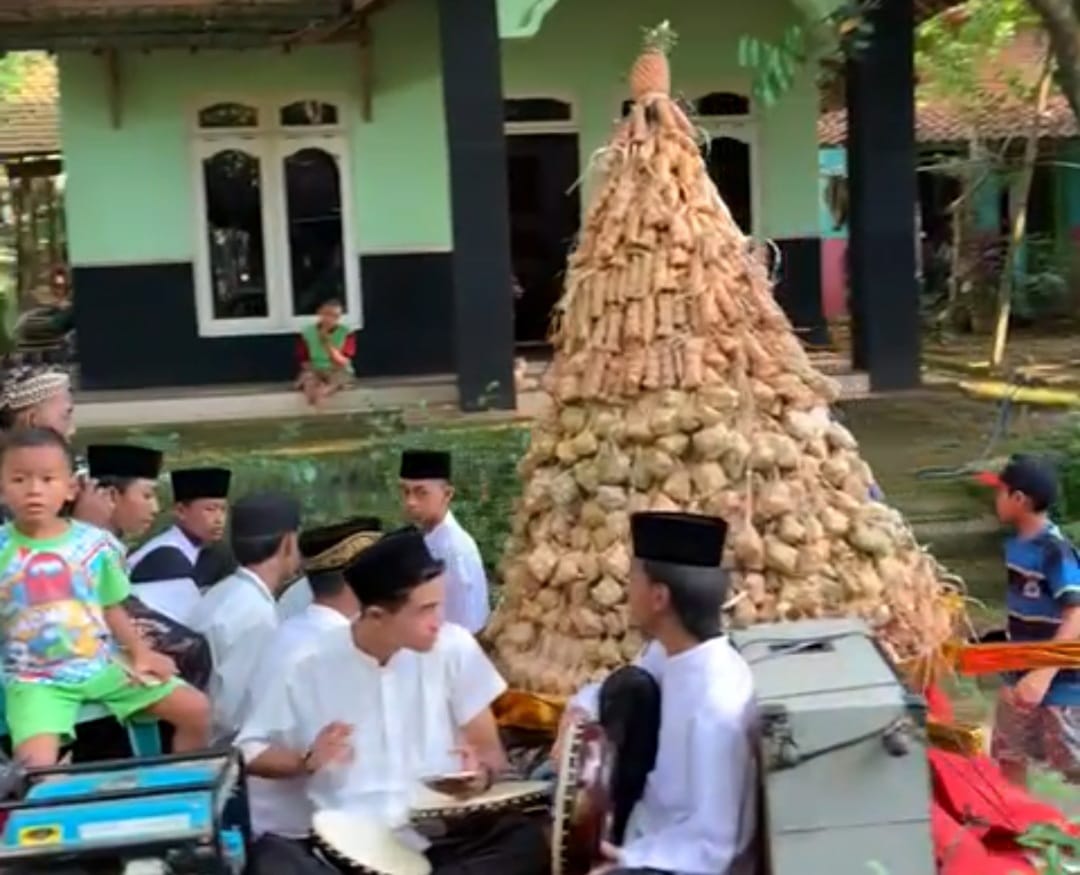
{"x": 280, "y": 810}
{"x": 403, "y": 696}
{"x": 686, "y": 802}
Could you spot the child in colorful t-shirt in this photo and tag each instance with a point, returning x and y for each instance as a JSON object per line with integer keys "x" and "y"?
{"x": 325, "y": 351}
{"x": 1038, "y": 713}
{"x": 66, "y": 638}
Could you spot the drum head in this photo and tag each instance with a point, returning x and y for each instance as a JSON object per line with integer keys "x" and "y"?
{"x": 505, "y": 796}
{"x": 365, "y": 846}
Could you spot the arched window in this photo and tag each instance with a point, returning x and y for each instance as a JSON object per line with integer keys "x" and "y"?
{"x": 274, "y": 235}
{"x": 228, "y": 115}
{"x": 308, "y": 113}
{"x": 721, "y": 103}
{"x": 537, "y": 109}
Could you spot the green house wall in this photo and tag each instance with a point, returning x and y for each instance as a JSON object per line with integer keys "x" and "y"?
{"x": 130, "y": 189}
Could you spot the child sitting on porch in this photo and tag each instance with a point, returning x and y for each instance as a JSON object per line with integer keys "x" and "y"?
{"x": 1038, "y": 713}
{"x": 325, "y": 350}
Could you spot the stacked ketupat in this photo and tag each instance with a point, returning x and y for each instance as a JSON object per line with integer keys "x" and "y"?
{"x": 678, "y": 384}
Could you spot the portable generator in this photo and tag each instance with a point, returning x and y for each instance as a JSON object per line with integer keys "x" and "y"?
{"x": 180, "y": 815}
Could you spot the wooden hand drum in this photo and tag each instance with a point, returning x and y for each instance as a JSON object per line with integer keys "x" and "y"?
{"x": 582, "y": 800}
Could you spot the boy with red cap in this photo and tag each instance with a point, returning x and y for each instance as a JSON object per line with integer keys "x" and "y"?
{"x": 1038, "y": 712}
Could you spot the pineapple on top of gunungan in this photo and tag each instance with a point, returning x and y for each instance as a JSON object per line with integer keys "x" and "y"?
{"x": 678, "y": 384}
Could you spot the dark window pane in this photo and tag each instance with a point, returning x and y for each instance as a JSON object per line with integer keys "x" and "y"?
{"x": 728, "y": 161}
{"x": 723, "y": 103}
{"x": 235, "y": 235}
{"x": 537, "y": 109}
{"x": 316, "y": 233}
{"x": 228, "y": 115}
{"x": 305, "y": 113}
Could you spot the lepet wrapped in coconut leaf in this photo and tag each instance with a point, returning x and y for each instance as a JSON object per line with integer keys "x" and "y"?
{"x": 678, "y": 384}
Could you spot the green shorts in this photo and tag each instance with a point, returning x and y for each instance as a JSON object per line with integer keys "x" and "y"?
{"x": 53, "y": 709}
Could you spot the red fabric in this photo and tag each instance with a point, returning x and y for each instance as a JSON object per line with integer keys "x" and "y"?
{"x": 976, "y": 815}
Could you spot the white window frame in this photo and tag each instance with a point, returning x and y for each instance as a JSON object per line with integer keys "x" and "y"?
{"x": 272, "y": 143}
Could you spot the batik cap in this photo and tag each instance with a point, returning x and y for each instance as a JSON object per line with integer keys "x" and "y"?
{"x": 331, "y": 548}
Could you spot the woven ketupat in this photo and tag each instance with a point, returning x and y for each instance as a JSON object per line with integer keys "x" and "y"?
{"x": 679, "y": 384}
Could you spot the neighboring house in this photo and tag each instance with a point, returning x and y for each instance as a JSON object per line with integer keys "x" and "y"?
{"x": 230, "y": 164}
{"x": 29, "y": 115}
{"x": 31, "y": 211}
{"x": 944, "y": 130}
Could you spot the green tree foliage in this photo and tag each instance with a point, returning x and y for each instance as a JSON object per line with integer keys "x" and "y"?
{"x": 11, "y": 71}
{"x": 775, "y": 65}
{"x": 957, "y": 51}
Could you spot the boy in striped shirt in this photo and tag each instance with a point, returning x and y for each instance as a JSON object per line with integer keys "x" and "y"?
{"x": 1038, "y": 711}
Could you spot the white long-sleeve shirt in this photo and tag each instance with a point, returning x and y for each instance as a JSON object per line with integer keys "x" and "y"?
{"x": 405, "y": 717}
{"x": 697, "y": 813}
{"x": 467, "y": 599}
{"x": 238, "y": 618}
{"x": 281, "y": 806}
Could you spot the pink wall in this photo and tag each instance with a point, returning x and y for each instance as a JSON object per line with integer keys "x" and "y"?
{"x": 833, "y": 277}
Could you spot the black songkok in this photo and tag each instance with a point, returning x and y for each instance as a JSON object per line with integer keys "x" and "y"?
{"x": 678, "y": 538}
{"x": 391, "y": 566}
{"x": 123, "y": 462}
{"x": 265, "y": 515}
{"x": 425, "y": 465}
{"x": 191, "y": 484}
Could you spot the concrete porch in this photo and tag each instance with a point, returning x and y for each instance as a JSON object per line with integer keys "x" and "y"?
{"x": 419, "y": 398}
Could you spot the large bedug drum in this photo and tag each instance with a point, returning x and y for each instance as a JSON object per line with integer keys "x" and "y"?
{"x": 361, "y": 846}
{"x": 582, "y": 804}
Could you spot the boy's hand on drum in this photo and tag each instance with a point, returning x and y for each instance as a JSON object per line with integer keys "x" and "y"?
{"x": 332, "y": 746}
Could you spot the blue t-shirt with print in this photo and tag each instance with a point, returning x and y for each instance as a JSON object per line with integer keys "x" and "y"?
{"x": 1044, "y": 580}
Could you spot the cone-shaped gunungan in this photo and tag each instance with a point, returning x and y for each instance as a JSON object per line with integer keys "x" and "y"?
{"x": 679, "y": 384}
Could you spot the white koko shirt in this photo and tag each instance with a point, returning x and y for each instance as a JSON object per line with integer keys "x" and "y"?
{"x": 238, "y": 618}
{"x": 405, "y": 716}
{"x": 697, "y": 813}
{"x": 467, "y": 599}
{"x": 281, "y": 806}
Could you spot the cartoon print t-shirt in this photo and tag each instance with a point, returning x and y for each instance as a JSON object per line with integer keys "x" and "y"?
{"x": 52, "y": 596}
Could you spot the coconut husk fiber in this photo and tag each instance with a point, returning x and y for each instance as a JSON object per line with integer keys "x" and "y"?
{"x": 679, "y": 384}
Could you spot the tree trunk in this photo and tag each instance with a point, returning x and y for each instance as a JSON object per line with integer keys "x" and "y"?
{"x": 1019, "y": 220}
{"x": 1061, "y": 18}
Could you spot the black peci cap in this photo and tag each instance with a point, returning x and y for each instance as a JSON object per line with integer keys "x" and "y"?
{"x": 391, "y": 566}
{"x": 425, "y": 465}
{"x": 123, "y": 461}
{"x": 678, "y": 538}
{"x": 191, "y": 484}
{"x": 265, "y": 515}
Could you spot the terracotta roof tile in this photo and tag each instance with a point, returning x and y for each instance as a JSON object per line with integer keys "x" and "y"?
{"x": 29, "y": 122}
{"x": 997, "y": 115}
